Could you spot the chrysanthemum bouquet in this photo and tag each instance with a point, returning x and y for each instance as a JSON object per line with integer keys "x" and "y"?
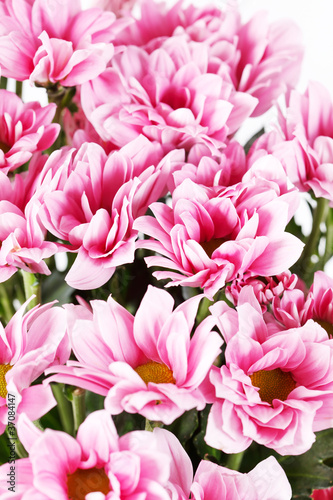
{"x": 166, "y": 325}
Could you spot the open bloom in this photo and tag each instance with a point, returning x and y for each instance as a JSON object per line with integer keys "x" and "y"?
{"x": 22, "y": 235}
{"x": 168, "y": 95}
{"x": 304, "y": 142}
{"x": 275, "y": 388}
{"x": 62, "y": 43}
{"x": 295, "y": 307}
{"x": 30, "y": 343}
{"x": 148, "y": 364}
{"x": 211, "y": 236}
{"x": 260, "y": 58}
{"x": 24, "y": 129}
{"x": 266, "y": 481}
{"x": 90, "y": 200}
{"x": 98, "y": 464}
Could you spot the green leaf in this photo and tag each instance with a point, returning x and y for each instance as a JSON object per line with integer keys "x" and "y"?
{"x": 308, "y": 471}
{"x": 204, "y": 451}
{"x": 184, "y": 426}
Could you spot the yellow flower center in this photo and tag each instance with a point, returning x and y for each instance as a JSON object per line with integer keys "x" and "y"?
{"x": 273, "y": 384}
{"x": 3, "y": 385}
{"x": 158, "y": 373}
{"x": 211, "y": 245}
{"x": 84, "y": 481}
{"x": 326, "y": 325}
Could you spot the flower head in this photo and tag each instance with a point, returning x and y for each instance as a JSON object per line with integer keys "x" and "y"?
{"x": 149, "y": 364}
{"x": 30, "y": 343}
{"x": 275, "y": 388}
{"x": 99, "y": 464}
{"x": 211, "y": 236}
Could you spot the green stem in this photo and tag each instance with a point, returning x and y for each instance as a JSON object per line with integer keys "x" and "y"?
{"x": 3, "y": 83}
{"x": 79, "y": 406}
{"x": 234, "y": 460}
{"x": 7, "y": 307}
{"x": 31, "y": 287}
{"x": 319, "y": 216}
{"x": 19, "y": 88}
{"x": 20, "y": 451}
{"x": 150, "y": 425}
{"x": 64, "y": 408}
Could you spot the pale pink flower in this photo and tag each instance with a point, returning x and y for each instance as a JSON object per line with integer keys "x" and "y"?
{"x": 149, "y": 364}
{"x": 98, "y": 464}
{"x": 22, "y": 235}
{"x": 91, "y": 201}
{"x": 168, "y": 95}
{"x": 304, "y": 143}
{"x": 211, "y": 236}
{"x": 266, "y": 481}
{"x": 24, "y": 129}
{"x": 62, "y": 43}
{"x": 30, "y": 343}
{"x": 275, "y": 389}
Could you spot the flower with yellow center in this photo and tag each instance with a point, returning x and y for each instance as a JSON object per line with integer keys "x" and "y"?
{"x": 273, "y": 384}
{"x": 84, "y": 481}
{"x": 155, "y": 372}
{"x": 3, "y": 384}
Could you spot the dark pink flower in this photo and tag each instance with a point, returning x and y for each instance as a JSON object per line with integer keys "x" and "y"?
{"x": 62, "y": 43}
{"x": 24, "y": 129}
{"x": 91, "y": 201}
{"x": 326, "y": 494}
{"x": 211, "y": 236}
{"x": 22, "y": 235}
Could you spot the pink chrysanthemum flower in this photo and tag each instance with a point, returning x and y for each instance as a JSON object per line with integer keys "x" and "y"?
{"x": 62, "y": 43}
{"x": 148, "y": 364}
{"x": 304, "y": 143}
{"x": 275, "y": 389}
{"x": 24, "y": 129}
{"x": 202, "y": 168}
{"x": 29, "y": 344}
{"x": 22, "y": 235}
{"x": 92, "y": 199}
{"x": 211, "y": 236}
{"x": 168, "y": 95}
{"x": 266, "y": 481}
{"x": 295, "y": 307}
{"x": 98, "y": 464}
{"x": 265, "y": 288}
{"x": 259, "y": 58}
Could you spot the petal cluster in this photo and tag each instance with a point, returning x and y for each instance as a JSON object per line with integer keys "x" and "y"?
{"x": 151, "y": 363}
{"x": 211, "y": 236}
